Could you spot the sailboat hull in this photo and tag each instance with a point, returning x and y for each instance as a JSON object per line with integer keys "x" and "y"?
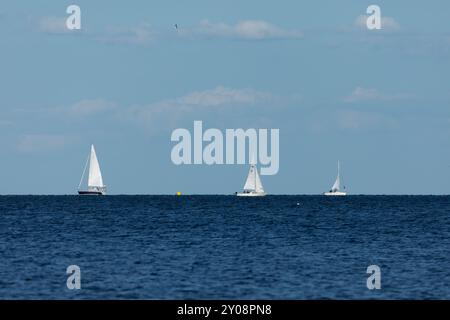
{"x": 91, "y": 193}
{"x": 250, "y": 194}
{"x": 336, "y": 193}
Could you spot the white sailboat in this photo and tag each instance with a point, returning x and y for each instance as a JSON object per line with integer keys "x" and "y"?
{"x": 336, "y": 188}
{"x": 95, "y": 184}
{"x": 253, "y": 186}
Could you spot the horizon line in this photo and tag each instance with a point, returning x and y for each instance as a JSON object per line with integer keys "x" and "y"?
{"x": 224, "y": 194}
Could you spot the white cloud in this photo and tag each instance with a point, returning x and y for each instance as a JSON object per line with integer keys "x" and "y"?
{"x": 363, "y": 94}
{"x": 55, "y": 25}
{"x": 31, "y": 143}
{"x": 355, "y": 120}
{"x": 219, "y": 98}
{"x": 144, "y": 33}
{"x": 248, "y": 30}
{"x": 89, "y": 107}
{"x": 141, "y": 34}
{"x": 360, "y": 94}
{"x": 5, "y": 123}
{"x": 387, "y": 23}
{"x": 80, "y": 109}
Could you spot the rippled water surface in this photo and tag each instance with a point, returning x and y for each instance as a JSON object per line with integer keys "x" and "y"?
{"x": 224, "y": 247}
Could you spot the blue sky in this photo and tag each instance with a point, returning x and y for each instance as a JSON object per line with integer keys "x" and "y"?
{"x": 379, "y": 101}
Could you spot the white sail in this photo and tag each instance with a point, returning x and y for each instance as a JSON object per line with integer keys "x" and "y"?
{"x": 258, "y": 184}
{"x": 250, "y": 184}
{"x": 337, "y": 184}
{"x": 253, "y": 186}
{"x": 95, "y": 175}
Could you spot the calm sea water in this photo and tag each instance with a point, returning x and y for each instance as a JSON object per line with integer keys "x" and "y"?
{"x": 224, "y": 247}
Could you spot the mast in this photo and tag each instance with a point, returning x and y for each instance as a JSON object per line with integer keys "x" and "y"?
{"x": 256, "y": 172}
{"x": 339, "y": 170}
{"x": 339, "y": 167}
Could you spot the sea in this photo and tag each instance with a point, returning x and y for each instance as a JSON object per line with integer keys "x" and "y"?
{"x": 225, "y": 247}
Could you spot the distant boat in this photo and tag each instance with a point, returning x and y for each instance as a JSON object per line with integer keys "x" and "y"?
{"x": 336, "y": 188}
{"x": 253, "y": 186}
{"x": 95, "y": 184}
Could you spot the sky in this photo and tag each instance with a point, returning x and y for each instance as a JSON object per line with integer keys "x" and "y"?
{"x": 377, "y": 100}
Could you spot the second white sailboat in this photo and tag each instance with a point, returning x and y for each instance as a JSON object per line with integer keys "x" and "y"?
{"x": 336, "y": 188}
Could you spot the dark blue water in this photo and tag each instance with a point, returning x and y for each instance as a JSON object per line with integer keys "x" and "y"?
{"x": 224, "y": 247}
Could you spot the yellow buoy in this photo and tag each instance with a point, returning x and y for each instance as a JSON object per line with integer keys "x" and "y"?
{"x": 178, "y": 193}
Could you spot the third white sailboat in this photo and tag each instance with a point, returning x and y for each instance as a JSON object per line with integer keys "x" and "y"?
{"x": 336, "y": 188}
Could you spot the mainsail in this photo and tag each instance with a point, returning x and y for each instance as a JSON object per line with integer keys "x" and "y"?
{"x": 253, "y": 182}
{"x": 337, "y": 184}
{"x": 250, "y": 184}
{"x": 95, "y": 175}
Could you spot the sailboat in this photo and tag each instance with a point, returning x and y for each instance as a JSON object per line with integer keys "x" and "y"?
{"x": 253, "y": 186}
{"x": 336, "y": 188}
{"x": 95, "y": 184}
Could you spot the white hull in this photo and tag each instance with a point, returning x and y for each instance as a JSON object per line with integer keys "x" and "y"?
{"x": 91, "y": 193}
{"x": 336, "y": 193}
{"x": 250, "y": 194}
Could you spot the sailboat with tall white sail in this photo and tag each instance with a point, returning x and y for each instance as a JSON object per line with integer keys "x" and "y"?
{"x": 336, "y": 188}
{"x": 253, "y": 186}
{"x": 95, "y": 184}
